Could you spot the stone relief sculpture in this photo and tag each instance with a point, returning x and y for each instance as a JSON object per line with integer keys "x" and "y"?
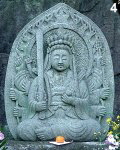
{"x": 59, "y": 78}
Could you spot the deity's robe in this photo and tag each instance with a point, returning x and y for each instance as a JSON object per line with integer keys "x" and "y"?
{"x": 73, "y": 122}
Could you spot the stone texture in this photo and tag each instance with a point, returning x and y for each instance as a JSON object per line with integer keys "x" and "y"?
{"x": 3, "y": 65}
{"x": 17, "y": 13}
{"x": 69, "y": 59}
{"x": 20, "y": 145}
{"x": 109, "y": 23}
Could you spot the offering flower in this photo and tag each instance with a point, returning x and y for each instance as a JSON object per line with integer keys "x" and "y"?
{"x": 118, "y": 117}
{"x": 116, "y": 127}
{"x": 1, "y": 136}
{"x": 110, "y": 132}
{"x": 111, "y": 142}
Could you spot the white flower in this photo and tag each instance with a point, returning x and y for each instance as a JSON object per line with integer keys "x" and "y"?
{"x": 1, "y": 136}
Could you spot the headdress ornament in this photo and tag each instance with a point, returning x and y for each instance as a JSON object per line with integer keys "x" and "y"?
{"x": 60, "y": 40}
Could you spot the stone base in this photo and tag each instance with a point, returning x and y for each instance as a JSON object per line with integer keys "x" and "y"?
{"x": 23, "y": 145}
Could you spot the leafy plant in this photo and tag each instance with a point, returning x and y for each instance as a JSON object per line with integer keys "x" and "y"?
{"x": 114, "y": 127}
{"x": 3, "y": 141}
{"x": 3, "y": 145}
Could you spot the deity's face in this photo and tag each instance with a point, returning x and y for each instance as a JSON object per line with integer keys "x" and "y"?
{"x": 60, "y": 60}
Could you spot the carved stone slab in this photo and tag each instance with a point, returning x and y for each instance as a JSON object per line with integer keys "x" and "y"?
{"x": 92, "y": 60}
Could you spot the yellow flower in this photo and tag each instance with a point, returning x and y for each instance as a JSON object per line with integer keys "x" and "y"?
{"x": 110, "y": 132}
{"x": 118, "y": 117}
{"x": 114, "y": 123}
{"x": 115, "y": 127}
{"x": 108, "y": 120}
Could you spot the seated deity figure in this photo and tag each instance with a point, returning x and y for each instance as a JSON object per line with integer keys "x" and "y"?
{"x": 65, "y": 109}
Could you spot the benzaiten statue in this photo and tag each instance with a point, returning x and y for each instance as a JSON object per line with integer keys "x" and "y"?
{"x": 59, "y": 78}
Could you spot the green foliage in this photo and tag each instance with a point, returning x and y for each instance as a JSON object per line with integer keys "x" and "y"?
{"x": 3, "y": 144}
{"x": 99, "y": 136}
{"x": 3, "y": 141}
{"x": 114, "y": 127}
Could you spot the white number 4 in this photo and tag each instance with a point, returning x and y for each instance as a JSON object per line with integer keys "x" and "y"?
{"x": 113, "y": 8}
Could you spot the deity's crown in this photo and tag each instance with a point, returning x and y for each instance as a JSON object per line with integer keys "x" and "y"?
{"x": 60, "y": 40}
